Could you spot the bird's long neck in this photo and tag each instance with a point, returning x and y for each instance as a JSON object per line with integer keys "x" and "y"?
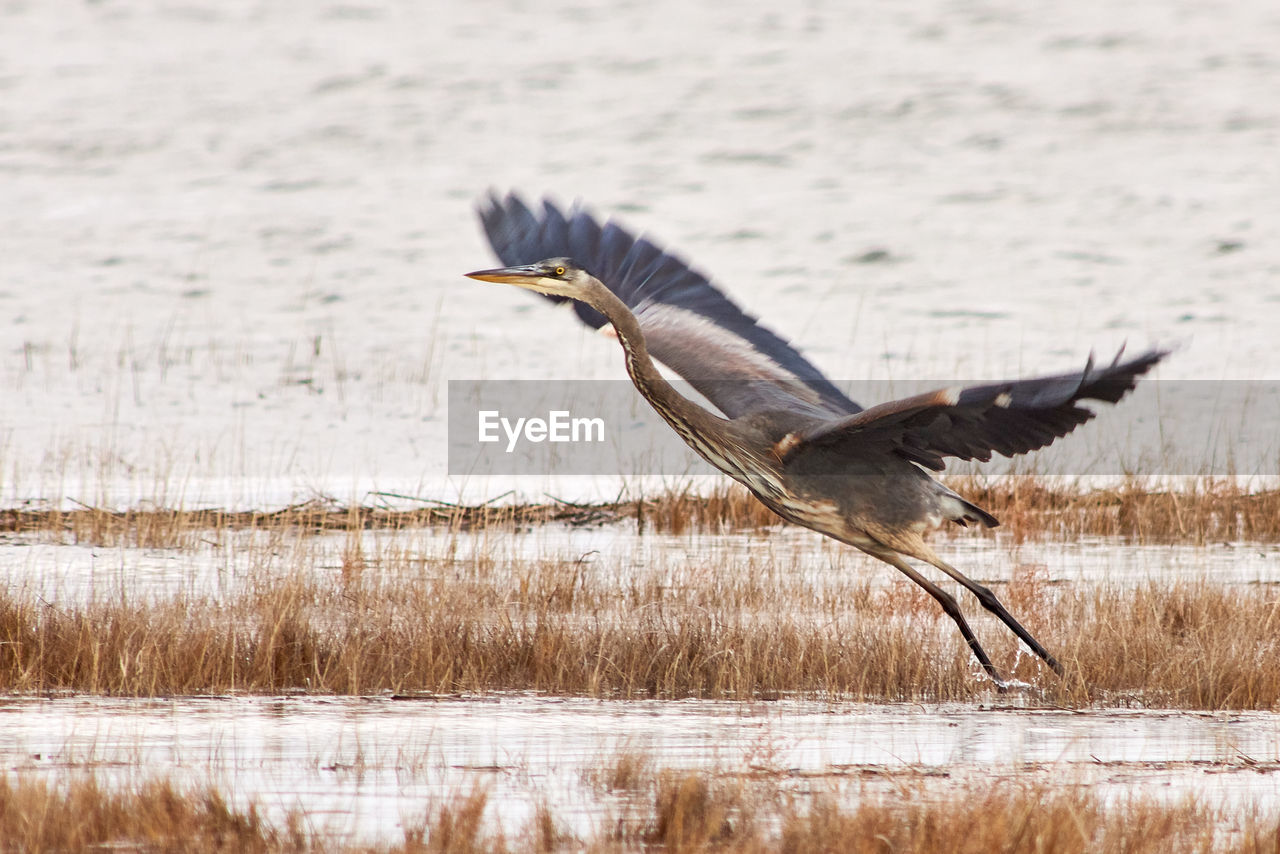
{"x": 687, "y": 418}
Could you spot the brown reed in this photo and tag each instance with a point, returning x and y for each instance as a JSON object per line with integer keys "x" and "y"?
{"x": 1030, "y": 507}
{"x": 559, "y": 630}
{"x": 684, "y": 812}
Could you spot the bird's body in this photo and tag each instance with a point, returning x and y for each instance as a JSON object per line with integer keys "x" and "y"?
{"x": 805, "y": 450}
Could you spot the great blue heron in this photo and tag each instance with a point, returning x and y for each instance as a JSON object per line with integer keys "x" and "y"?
{"x": 807, "y": 451}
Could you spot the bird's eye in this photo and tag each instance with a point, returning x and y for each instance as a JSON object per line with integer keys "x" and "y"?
{"x": 559, "y": 271}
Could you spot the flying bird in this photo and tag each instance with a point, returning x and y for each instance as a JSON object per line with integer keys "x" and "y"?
{"x": 783, "y": 430}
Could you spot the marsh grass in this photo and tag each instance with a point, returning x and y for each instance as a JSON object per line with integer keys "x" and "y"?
{"x": 181, "y": 529}
{"x": 677, "y": 811}
{"x": 390, "y": 617}
{"x": 152, "y": 816}
{"x": 1021, "y": 817}
{"x": 1195, "y": 646}
{"x": 1203, "y": 510}
{"x": 413, "y": 637}
{"x": 1030, "y": 507}
{"x": 558, "y": 627}
{"x": 693, "y": 811}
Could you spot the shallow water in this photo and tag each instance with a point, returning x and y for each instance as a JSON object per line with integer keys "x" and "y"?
{"x": 612, "y": 555}
{"x": 367, "y": 766}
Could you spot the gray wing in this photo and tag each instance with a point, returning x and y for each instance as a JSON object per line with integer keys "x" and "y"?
{"x": 971, "y": 423}
{"x": 688, "y": 323}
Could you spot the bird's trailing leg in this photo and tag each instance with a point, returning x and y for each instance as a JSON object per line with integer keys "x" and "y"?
{"x": 992, "y": 604}
{"x": 949, "y": 605}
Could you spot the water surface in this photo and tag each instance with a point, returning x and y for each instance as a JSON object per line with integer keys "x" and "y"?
{"x": 366, "y": 766}
{"x": 612, "y": 556}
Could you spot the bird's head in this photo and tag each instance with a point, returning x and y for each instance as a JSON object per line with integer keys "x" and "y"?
{"x": 554, "y": 276}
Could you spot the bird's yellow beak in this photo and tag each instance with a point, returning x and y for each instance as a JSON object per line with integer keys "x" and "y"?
{"x": 521, "y": 275}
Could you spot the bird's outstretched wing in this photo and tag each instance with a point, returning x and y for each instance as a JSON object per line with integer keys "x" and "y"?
{"x": 972, "y": 423}
{"x": 688, "y": 323}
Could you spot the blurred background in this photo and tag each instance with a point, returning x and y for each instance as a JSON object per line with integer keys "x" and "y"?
{"x": 232, "y": 233}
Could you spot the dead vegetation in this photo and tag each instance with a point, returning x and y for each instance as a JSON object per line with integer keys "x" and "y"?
{"x": 1028, "y": 506}
{"x": 153, "y": 816}
{"x": 394, "y": 618}
{"x": 1016, "y": 817}
{"x": 676, "y": 812}
{"x": 1197, "y": 646}
{"x": 568, "y": 628}
{"x": 1203, "y": 510}
{"x": 177, "y": 528}
{"x": 695, "y": 812}
{"x": 439, "y": 636}
{"x": 1032, "y": 507}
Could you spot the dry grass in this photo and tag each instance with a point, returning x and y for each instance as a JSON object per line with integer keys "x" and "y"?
{"x": 1206, "y": 510}
{"x": 176, "y": 528}
{"x": 1029, "y": 507}
{"x": 1013, "y": 817}
{"x": 626, "y": 771}
{"x": 692, "y": 812}
{"x": 561, "y": 628}
{"x": 154, "y": 816}
{"x": 397, "y": 621}
{"x": 1195, "y": 646}
{"x": 682, "y": 812}
{"x": 446, "y": 638}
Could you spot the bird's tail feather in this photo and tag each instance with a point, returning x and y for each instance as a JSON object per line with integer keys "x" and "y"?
{"x": 964, "y": 512}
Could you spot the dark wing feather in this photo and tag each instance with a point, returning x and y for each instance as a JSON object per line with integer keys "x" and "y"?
{"x": 972, "y": 423}
{"x": 688, "y": 323}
